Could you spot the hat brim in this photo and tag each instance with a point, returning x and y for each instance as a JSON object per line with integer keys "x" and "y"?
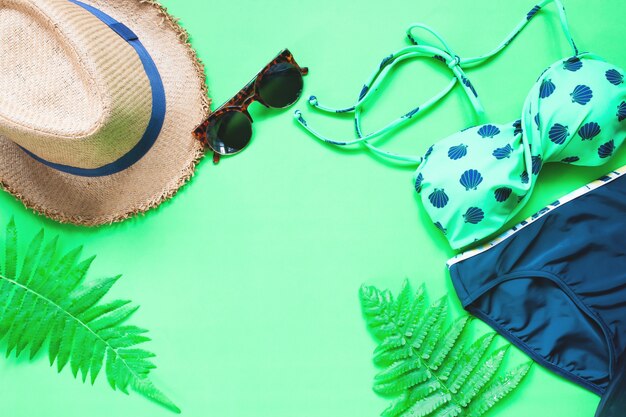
{"x": 158, "y": 175}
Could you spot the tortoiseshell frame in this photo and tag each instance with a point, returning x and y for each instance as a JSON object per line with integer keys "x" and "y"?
{"x": 248, "y": 95}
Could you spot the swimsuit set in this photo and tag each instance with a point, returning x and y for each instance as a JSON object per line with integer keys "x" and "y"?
{"x": 554, "y": 285}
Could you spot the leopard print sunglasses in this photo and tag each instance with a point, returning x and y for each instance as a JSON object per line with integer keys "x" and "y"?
{"x": 228, "y": 130}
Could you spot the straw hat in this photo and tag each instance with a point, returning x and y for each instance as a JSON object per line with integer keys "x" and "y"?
{"x": 98, "y": 100}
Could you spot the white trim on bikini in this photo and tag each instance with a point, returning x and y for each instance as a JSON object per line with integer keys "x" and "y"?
{"x": 611, "y": 176}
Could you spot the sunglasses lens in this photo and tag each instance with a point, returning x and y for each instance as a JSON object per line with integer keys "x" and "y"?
{"x": 281, "y": 85}
{"x": 230, "y": 133}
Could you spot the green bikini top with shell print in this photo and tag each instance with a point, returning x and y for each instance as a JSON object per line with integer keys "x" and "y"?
{"x": 474, "y": 181}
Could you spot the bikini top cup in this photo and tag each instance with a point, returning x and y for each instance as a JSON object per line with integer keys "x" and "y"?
{"x": 474, "y": 181}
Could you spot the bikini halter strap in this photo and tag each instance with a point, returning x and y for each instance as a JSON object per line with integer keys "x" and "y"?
{"x": 443, "y": 53}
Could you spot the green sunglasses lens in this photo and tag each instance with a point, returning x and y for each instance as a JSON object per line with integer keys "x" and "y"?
{"x": 230, "y": 132}
{"x": 280, "y": 86}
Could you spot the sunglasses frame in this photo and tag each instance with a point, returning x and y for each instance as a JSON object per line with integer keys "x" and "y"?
{"x": 244, "y": 98}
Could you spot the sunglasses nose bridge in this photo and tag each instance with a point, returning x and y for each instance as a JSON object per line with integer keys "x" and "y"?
{"x": 247, "y": 114}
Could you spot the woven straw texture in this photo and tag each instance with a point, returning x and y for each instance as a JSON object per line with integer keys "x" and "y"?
{"x": 75, "y": 93}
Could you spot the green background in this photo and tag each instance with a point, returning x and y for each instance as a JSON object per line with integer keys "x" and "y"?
{"x": 248, "y": 278}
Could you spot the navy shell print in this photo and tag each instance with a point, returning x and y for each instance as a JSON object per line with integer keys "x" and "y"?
{"x": 457, "y": 152}
{"x": 518, "y": 127}
{"x": 621, "y": 111}
{"x": 546, "y": 89}
{"x": 581, "y": 94}
{"x": 364, "y": 91}
{"x": 418, "y": 182}
{"x": 471, "y": 179}
{"x": 386, "y": 60}
{"x": 573, "y": 64}
{"x": 537, "y": 162}
{"x": 589, "y": 130}
{"x": 532, "y": 12}
{"x": 614, "y": 77}
{"x": 607, "y": 149}
{"x": 411, "y": 113}
{"x": 524, "y": 177}
{"x": 440, "y": 227}
{"x": 570, "y": 159}
{"x": 488, "y": 131}
{"x": 558, "y": 133}
{"x": 438, "y": 198}
{"x": 504, "y": 152}
{"x": 469, "y": 85}
{"x": 502, "y": 194}
{"x": 474, "y": 215}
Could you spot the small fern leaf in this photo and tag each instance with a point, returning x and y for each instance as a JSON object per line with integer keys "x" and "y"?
{"x": 397, "y": 369}
{"x": 497, "y": 390}
{"x": 146, "y": 388}
{"x": 449, "y": 410}
{"x": 392, "y": 349}
{"x": 451, "y": 361}
{"x": 424, "y": 389}
{"x": 416, "y": 311}
{"x": 377, "y": 311}
{"x": 10, "y": 248}
{"x": 469, "y": 361}
{"x": 446, "y": 343}
{"x": 399, "y": 406}
{"x": 400, "y": 309}
{"x": 429, "y": 320}
{"x": 30, "y": 258}
{"x": 46, "y": 300}
{"x": 434, "y": 335}
{"x": 482, "y": 375}
{"x": 402, "y": 382}
{"x": 430, "y": 404}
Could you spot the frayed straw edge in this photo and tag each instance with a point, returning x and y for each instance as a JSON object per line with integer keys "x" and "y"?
{"x": 183, "y": 36}
{"x": 173, "y": 187}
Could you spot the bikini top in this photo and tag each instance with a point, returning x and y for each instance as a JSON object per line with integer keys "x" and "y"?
{"x": 474, "y": 181}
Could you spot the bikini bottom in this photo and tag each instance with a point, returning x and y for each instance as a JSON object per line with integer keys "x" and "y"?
{"x": 555, "y": 284}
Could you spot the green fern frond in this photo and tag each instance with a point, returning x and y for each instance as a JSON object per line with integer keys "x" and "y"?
{"x": 44, "y": 298}
{"x": 497, "y": 390}
{"x": 432, "y": 367}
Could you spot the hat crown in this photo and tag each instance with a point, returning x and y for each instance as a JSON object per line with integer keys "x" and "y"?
{"x": 75, "y": 92}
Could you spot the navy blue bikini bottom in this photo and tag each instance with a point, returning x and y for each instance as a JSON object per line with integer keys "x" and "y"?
{"x": 555, "y": 285}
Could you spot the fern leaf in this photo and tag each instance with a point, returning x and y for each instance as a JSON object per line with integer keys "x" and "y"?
{"x": 469, "y": 361}
{"x": 482, "y": 375}
{"x": 451, "y": 361}
{"x": 431, "y": 317}
{"x": 430, "y": 404}
{"x": 377, "y": 310}
{"x": 402, "y": 382}
{"x": 431, "y": 367}
{"x": 497, "y": 390}
{"x": 447, "y": 343}
{"x": 399, "y": 406}
{"x": 415, "y": 312}
{"x": 47, "y": 301}
{"x": 10, "y": 260}
{"x": 435, "y": 332}
{"x": 398, "y": 368}
{"x": 449, "y": 410}
{"x": 400, "y": 309}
